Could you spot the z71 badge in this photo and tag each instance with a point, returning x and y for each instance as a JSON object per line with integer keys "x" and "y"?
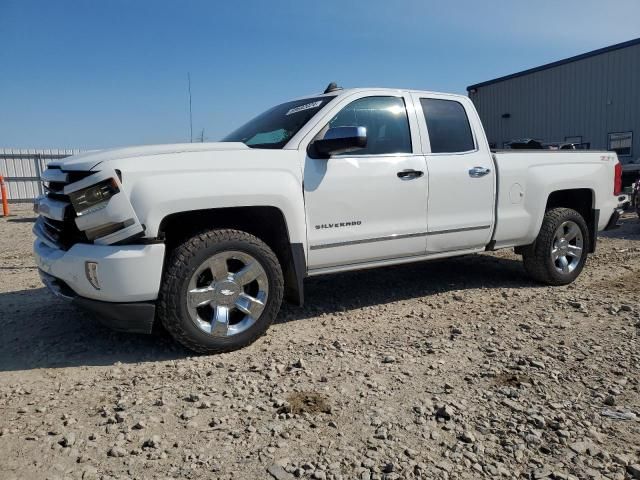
{"x": 354, "y": 223}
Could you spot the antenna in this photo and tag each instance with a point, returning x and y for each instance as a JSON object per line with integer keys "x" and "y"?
{"x": 190, "y": 113}
{"x": 332, "y": 87}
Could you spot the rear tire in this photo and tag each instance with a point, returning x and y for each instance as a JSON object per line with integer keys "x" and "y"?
{"x": 560, "y": 250}
{"x": 221, "y": 291}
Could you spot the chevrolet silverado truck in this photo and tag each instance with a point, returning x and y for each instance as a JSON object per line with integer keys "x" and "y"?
{"x": 208, "y": 239}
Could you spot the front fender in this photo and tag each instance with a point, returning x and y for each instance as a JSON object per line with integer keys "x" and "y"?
{"x": 155, "y": 197}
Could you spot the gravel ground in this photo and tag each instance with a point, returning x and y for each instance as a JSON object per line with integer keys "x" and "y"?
{"x": 448, "y": 370}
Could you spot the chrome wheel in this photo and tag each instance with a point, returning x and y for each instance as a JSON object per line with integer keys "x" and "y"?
{"x": 567, "y": 247}
{"x": 227, "y": 293}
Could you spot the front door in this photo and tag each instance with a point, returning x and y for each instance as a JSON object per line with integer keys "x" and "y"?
{"x": 369, "y": 204}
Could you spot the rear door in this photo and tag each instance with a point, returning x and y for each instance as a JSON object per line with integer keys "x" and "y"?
{"x": 462, "y": 176}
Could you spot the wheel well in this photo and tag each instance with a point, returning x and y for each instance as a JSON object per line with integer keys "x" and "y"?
{"x": 580, "y": 200}
{"x": 266, "y": 223}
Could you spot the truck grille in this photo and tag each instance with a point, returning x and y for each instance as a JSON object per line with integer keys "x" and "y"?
{"x": 56, "y": 224}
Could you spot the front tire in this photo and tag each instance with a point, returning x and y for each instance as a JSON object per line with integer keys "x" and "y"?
{"x": 560, "y": 250}
{"x": 221, "y": 291}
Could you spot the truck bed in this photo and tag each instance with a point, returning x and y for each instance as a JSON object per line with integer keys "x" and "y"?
{"x": 526, "y": 176}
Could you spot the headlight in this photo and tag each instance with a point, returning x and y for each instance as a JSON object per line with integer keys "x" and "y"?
{"x": 94, "y": 198}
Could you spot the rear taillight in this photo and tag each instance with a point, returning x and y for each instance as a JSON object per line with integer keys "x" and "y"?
{"x": 617, "y": 179}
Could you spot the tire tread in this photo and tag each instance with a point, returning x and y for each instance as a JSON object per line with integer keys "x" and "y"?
{"x": 178, "y": 266}
{"x": 535, "y": 256}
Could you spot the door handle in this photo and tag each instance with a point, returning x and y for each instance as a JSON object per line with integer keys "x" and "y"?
{"x": 477, "y": 172}
{"x": 410, "y": 174}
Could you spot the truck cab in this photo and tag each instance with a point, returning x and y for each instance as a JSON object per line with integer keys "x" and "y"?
{"x": 388, "y": 187}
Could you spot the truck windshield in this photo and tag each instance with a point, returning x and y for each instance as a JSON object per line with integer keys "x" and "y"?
{"x": 274, "y": 128}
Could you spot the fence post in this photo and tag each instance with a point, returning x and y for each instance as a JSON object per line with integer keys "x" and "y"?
{"x": 38, "y": 168}
{"x": 5, "y": 203}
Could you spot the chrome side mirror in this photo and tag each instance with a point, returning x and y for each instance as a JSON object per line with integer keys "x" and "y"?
{"x": 339, "y": 140}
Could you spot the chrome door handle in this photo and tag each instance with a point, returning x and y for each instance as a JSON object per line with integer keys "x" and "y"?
{"x": 477, "y": 172}
{"x": 409, "y": 174}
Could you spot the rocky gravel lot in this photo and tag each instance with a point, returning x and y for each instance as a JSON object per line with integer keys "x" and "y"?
{"x": 456, "y": 369}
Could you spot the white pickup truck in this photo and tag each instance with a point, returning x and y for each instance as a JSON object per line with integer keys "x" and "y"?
{"x": 208, "y": 239}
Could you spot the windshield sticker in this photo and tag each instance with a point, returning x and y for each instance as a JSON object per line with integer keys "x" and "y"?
{"x": 306, "y": 106}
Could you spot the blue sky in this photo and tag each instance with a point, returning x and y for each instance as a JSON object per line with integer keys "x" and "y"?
{"x": 94, "y": 74}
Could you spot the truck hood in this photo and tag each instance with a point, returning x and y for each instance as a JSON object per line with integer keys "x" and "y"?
{"x": 91, "y": 159}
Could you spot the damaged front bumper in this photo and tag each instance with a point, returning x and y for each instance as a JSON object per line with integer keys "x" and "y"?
{"x": 131, "y": 317}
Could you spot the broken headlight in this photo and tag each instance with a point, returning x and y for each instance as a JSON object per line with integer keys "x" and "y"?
{"x": 93, "y": 198}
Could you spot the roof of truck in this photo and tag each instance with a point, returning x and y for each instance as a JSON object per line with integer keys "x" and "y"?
{"x": 343, "y": 91}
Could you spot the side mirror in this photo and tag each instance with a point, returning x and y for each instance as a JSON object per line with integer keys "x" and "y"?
{"x": 341, "y": 140}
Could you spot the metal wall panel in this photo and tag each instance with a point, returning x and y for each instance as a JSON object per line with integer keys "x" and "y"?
{"x": 21, "y": 169}
{"x": 590, "y": 97}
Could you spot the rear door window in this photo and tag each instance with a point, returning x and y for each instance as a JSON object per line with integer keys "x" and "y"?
{"x": 448, "y": 126}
